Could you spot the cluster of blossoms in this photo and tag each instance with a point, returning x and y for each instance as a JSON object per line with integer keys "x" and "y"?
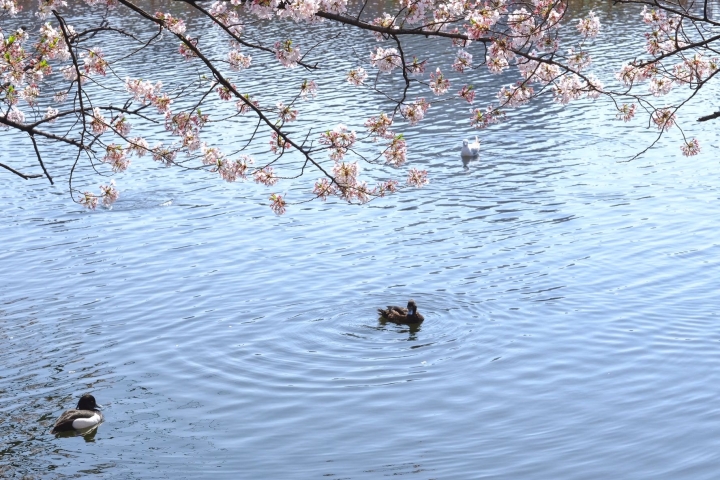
{"x": 516, "y": 35}
{"x": 278, "y": 143}
{"x": 175, "y": 25}
{"x": 277, "y": 203}
{"x": 227, "y": 15}
{"x": 229, "y": 170}
{"x": 108, "y": 194}
{"x": 357, "y": 76}
{"x": 308, "y": 89}
{"x": 147, "y": 93}
{"x": 243, "y": 105}
{"x": 438, "y": 83}
{"x": 187, "y": 126}
{"x": 463, "y": 61}
{"x": 94, "y": 62}
{"x": 396, "y": 153}
{"x": 238, "y": 61}
{"x": 666, "y": 43}
{"x": 468, "y": 93}
{"x": 287, "y": 54}
{"x": 484, "y": 118}
{"x": 387, "y": 22}
{"x": 415, "y": 111}
{"x": 339, "y": 141}
{"x": 265, "y": 176}
{"x": 116, "y": 157}
{"x": 15, "y": 115}
{"x": 416, "y": 67}
{"x": 379, "y": 127}
{"x": 386, "y": 59}
{"x": 417, "y": 178}
{"x": 589, "y": 26}
{"x": 286, "y": 113}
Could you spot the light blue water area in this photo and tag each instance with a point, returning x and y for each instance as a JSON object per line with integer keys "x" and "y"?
{"x": 570, "y": 301}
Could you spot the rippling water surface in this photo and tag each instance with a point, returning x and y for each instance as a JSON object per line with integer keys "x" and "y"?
{"x": 570, "y": 300}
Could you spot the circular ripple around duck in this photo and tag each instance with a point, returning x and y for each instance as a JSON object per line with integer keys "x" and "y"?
{"x": 348, "y": 346}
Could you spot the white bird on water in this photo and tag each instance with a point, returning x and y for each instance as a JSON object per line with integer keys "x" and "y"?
{"x": 470, "y": 149}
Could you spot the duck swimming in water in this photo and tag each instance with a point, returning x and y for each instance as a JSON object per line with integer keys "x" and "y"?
{"x": 86, "y": 415}
{"x": 402, "y": 315}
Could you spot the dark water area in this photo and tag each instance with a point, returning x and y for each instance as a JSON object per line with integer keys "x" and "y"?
{"x": 570, "y": 300}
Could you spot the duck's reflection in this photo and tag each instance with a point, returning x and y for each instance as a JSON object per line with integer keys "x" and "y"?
{"x": 87, "y": 434}
{"x": 410, "y": 329}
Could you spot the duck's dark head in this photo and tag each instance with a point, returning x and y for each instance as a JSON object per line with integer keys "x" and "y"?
{"x": 87, "y": 402}
{"x": 411, "y": 308}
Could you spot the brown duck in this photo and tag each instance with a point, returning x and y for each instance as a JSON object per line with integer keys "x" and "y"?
{"x": 400, "y": 314}
{"x": 86, "y": 415}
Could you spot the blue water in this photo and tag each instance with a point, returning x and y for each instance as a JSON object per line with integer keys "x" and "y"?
{"x": 570, "y": 301}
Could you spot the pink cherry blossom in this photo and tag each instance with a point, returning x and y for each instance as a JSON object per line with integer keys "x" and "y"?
{"x": 109, "y": 194}
{"x": 121, "y": 125}
{"x": 98, "y": 124}
{"x": 357, "y": 76}
{"x": 286, "y": 113}
{"x": 51, "y": 114}
{"x": 323, "y": 189}
{"x": 89, "y": 201}
{"x": 339, "y": 141}
{"x": 417, "y": 178}
{"x": 515, "y": 95}
{"x": 278, "y": 143}
{"x": 438, "y": 83}
{"x": 468, "y": 93}
{"x": 94, "y": 62}
{"x": 626, "y": 112}
{"x": 385, "y": 59}
{"x": 387, "y": 187}
{"x": 663, "y": 118}
{"x": 691, "y": 147}
{"x": 416, "y": 67}
{"x": 396, "y": 153}
{"x": 589, "y": 26}
{"x": 463, "y": 60}
{"x": 238, "y": 61}
{"x": 116, "y": 157}
{"x": 387, "y": 21}
{"x": 308, "y": 89}
{"x": 287, "y": 54}
{"x": 414, "y": 112}
{"x": 278, "y": 204}
{"x": 137, "y": 146}
{"x": 186, "y": 50}
{"x": 163, "y": 154}
{"x": 482, "y": 118}
{"x": 175, "y": 25}
{"x": 379, "y": 126}
{"x": 224, "y": 92}
{"x": 265, "y": 176}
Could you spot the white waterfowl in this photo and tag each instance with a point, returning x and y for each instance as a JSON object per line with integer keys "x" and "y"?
{"x": 470, "y": 149}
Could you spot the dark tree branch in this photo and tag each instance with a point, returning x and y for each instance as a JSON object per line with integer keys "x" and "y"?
{"x": 709, "y": 117}
{"x": 26, "y": 177}
{"x": 39, "y": 157}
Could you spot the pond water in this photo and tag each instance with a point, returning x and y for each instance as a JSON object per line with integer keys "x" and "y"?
{"x": 570, "y": 300}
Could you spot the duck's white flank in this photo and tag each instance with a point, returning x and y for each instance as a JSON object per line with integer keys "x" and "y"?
{"x": 80, "y": 423}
